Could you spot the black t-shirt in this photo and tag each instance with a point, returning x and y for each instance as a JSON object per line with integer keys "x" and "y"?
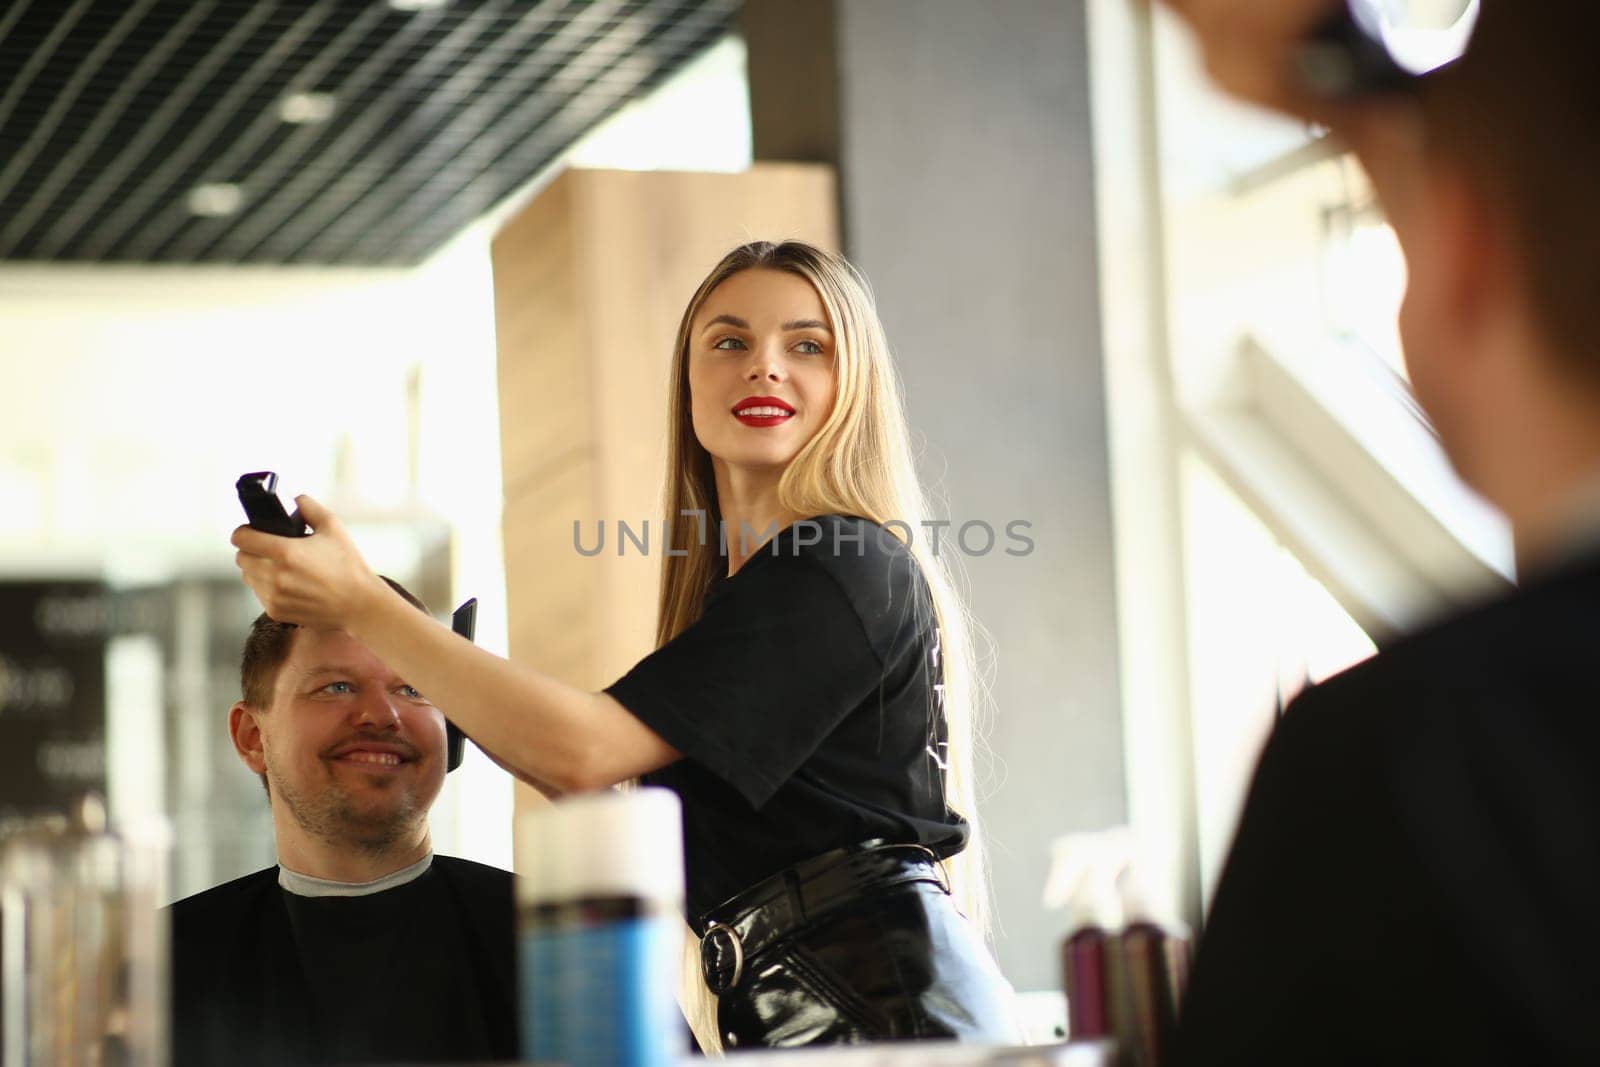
{"x": 391, "y": 976}
{"x": 805, "y": 703}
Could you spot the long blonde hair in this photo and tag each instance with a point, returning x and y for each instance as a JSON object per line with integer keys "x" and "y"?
{"x": 858, "y": 463}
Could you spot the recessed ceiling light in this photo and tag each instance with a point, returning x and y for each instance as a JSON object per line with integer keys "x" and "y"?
{"x": 215, "y": 200}
{"x": 416, "y": 5}
{"x": 306, "y": 108}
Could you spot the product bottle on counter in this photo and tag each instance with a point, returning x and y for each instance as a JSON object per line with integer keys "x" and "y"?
{"x": 1083, "y": 969}
{"x": 83, "y": 942}
{"x": 603, "y": 929}
{"x": 1154, "y": 963}
{"x": 540, "y": 900}
{"x": 1087, "y": 967}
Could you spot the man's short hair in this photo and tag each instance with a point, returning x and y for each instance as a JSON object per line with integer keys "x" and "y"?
{"x": 1517, "y": 117}
{"x": 267, "y": 647}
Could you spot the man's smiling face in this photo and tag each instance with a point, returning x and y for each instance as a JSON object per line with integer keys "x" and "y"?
{"x": 351, "y": 753}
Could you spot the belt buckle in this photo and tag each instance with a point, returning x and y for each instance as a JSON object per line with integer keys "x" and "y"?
{"x": 738, "y": 953}
{"x": 938, "y": 865}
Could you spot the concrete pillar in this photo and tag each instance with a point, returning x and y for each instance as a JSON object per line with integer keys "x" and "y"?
{"x": 962, "y": 137}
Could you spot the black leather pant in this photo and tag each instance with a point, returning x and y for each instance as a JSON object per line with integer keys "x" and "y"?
{"x": 859, "y": 945}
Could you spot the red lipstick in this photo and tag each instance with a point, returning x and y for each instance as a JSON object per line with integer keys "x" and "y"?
{"x": 763, "y": 411}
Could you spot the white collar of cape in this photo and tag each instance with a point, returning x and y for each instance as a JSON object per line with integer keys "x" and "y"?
{"x": 304, "y": 885}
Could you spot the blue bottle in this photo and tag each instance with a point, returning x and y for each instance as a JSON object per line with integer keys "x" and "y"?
{"x": 601, "y": 931}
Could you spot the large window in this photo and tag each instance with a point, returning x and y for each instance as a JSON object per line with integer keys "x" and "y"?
{"x": 1252, "y": 289}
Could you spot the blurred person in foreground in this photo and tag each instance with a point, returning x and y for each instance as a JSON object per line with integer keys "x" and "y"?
{"x": 1415, "y": 875}
{"x": 361, "y": 945}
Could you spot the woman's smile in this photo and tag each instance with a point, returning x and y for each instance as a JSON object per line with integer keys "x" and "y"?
{"x": 760, "y": 411}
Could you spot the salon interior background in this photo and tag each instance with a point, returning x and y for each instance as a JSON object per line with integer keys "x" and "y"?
{"x": 240, "y": 235}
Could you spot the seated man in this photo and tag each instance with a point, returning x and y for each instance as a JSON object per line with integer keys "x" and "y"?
{"x": 361, "y": 945}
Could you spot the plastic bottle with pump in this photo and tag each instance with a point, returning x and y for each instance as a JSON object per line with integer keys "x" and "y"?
{"x": 1123, "y": 966}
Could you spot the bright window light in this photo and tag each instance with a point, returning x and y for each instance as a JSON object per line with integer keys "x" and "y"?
{"x": 1364, "y": 278}
{"x": 699, "y": 119}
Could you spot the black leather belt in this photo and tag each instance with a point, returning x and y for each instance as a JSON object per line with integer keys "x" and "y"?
{"x": 741, "y": 928}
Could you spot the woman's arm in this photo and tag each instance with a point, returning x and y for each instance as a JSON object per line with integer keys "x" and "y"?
{"x": 557, "y": 736}
{"x": 549, "y": 792}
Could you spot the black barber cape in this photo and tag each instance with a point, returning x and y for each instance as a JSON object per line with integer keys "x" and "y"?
{"x": 805, "y": 703}
{"x": 1416, "y": 877}
{"x": 422, "y": 972}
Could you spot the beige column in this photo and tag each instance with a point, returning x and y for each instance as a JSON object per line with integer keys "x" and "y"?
{"x": 590, "y": 281}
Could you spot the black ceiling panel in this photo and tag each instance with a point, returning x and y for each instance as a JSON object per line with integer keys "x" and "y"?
{"x": 112, "y": 112}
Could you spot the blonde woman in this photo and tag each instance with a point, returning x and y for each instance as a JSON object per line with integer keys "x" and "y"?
{"x": 808, "y": 699}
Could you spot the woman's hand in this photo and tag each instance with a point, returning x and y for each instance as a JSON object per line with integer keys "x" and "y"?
{"x": 1249, "y": 46}
{"x": 1250, "y": 49}
{"x": 319, "y": 581}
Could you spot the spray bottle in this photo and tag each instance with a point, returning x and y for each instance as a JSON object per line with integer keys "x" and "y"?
{"x": 1083, "y": 880}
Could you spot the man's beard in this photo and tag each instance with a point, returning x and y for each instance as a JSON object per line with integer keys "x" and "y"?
{"x": 334, "y": 815}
